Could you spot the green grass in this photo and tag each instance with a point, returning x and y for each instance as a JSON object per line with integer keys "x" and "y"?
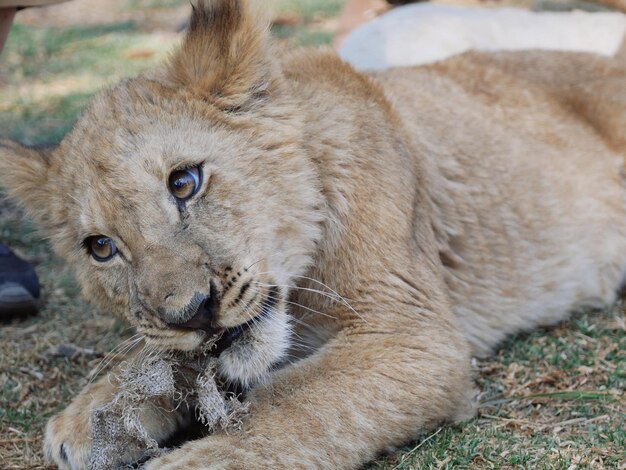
{"x": 65, "y": 51}
{"x": 309, "y": 10}
{"x": 302, "y": 36}
{"x": 550, "y": 398}
{"x": 150, "y": 4}
{"x": 304, "y": 21}
{"x": 53, "y": 72}
{"x": 26, "y": 122}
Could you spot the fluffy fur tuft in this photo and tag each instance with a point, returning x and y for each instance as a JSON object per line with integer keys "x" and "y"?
{"x": 224, "y": 57}
{"x": 24, "y": 173}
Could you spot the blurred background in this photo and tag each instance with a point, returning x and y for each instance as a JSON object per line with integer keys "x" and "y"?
{"x": 550, "y": 399}
{"x": 57, "y": 56}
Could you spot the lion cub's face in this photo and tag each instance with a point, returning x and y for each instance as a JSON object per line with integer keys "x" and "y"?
{"x": 184, "y": 200}
{"x": 190, "y": 222}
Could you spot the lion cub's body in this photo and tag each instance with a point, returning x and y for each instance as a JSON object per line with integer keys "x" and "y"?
{"x": 396, "y": 216}
{"x": 524, "y": 157}
{"x": 526, "y": 153}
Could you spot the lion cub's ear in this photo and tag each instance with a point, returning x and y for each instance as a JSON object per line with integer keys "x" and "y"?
{"x": 24, "y": 173}
{"x": 224, "y": 57}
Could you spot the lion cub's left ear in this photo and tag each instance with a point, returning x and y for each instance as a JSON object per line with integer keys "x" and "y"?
{"x": 225, "y": 57}
{"x": 24, "y": 174}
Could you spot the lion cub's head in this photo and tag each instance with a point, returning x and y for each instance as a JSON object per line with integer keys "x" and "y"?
{"x": 183, "y": 197}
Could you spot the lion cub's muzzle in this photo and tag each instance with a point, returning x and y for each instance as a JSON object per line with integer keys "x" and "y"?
{"x": 203, "y": 316}
{"x": 223, "y": 315}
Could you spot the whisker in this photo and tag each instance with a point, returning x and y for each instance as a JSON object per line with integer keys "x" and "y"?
{"x": 332, "y": 291}
{"x": 121, "y": 348}
{"x": 123, "y": 351}
{"x": 335, "y": 295}
{"x": 248, "y": 311}
{"x": 255, "y": 263}
{"x": 323, "y": 285}
{"x": 307, "y": 289}
{"x": 123, "y": 345}
{"x": 295, "y": 303}
{"x": 302, "y": 323}
{"x": 316, "y": 291}
{"x": 327, "y": 315}
{"x": 299, "y": 341}
{"x": 301, "y": 346}
{"x": 291, "y": 317}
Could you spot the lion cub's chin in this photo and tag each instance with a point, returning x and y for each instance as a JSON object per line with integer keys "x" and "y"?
{"x": 251, "y": 356}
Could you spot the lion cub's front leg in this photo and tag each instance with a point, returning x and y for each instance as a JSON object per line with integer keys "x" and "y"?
{"x": 376, "y": 384}
{"x": 68, "y": 440}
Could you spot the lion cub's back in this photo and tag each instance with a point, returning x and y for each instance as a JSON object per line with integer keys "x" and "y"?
{"x": 526, "y": 182}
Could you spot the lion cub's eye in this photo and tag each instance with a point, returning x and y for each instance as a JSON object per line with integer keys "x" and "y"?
{"x": 101, "y": 248}
{"x": 184, "y": 183}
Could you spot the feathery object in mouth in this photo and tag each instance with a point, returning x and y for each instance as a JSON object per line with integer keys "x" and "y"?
{"x": 116, "y": 428}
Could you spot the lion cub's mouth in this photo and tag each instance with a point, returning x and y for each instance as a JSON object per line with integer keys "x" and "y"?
{"x": 230, "y": 335}
{"x": 227, "y": 336}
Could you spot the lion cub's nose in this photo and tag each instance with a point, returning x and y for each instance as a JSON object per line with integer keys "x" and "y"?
{"x": 204, "y": 317}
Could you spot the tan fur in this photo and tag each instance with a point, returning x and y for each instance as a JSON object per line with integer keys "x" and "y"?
{"x": 448, "y": 206}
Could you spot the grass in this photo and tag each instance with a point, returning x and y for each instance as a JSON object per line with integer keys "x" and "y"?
{"x": 305, "y": 22}
{"x": 309, "y": 10}
{"x": 552, "y": 398}
{"x": 53, "y": 72}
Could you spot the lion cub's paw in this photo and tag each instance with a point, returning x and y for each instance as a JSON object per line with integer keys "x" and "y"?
{"x": 68, "y": 440}
{"x": 68, "y": 435}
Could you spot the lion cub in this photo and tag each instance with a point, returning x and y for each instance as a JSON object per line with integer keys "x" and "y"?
{"x": 351, "y": 239}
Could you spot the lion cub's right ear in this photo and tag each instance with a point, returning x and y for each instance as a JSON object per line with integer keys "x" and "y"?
{"x": 225, "y": 56}
{"x": 24, "y": 174}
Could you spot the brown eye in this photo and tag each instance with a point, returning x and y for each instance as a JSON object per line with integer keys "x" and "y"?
{"x": 184, "y": 184}
{"x": 101, "y": 248}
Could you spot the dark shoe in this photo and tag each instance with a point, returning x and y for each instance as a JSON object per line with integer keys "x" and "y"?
{"x": 19, "y": 286}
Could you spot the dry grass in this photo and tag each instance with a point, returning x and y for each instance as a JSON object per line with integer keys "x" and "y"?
{"x": 553, "y": 398}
